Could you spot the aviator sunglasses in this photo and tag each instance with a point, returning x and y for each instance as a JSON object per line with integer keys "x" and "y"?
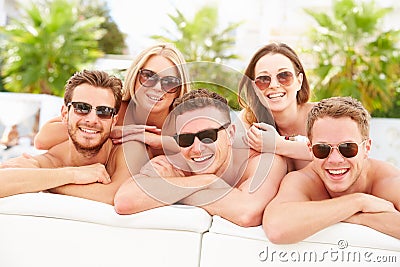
{"x": 206, "y": 136}
{"x": 347, "y": 149}
{"x": 169, "y": 84}
{"x": 82, "y": 108}
{"x": 284, "y": 78}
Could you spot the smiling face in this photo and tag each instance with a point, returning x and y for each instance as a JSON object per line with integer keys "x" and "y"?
{"x": 277, "y": 96}
{"x": 339, "y": 174}
{"x": 153, "y": 99}
{"x": 88, "y": 132}
{"x": 210, "y": 157}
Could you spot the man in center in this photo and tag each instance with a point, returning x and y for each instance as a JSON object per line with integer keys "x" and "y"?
{"x": 210, "y": 172}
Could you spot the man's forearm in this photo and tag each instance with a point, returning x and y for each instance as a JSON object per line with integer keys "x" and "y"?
{"x": 143, "y": 193}
{"x": 23, "y": 180}
{"x": 291, "y": 222}
{"x": 229, "y": 203}
{"x": 385, "y": 222}
{"x": 96, "y": 191}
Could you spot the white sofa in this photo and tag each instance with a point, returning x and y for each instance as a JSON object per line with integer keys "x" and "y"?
{"x": 44, "y": 229}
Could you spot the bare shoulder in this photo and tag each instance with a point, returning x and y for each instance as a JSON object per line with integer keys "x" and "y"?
{"x": 384, "y": 176}
{"x": 305, "y": 181}
{"x": 116, "y": 158}
{"x": 379, "y": 170}
{"x": 305, "y": 176}
{"x": 24, "y": 161}
{"x": 135, "y": 154}
{"x": 266, "y": 159}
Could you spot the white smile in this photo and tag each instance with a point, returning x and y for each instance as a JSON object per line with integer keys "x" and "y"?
{"x": 275, "y": 95}
{"x": 89, "y": 131}
{"x": 202, "y": 159}
{"x": 155, "y": 98}
{"x": 337, "y": 172}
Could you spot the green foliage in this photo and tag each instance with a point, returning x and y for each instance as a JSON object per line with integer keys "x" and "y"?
{"x": 200, "y": 41}
{"x": 354, "y": 56}
{"x": 218, "y": 78}
{"x": 1, "y": 64}
{"x": 113, "y": 41}
{"x": 46, "y": 44}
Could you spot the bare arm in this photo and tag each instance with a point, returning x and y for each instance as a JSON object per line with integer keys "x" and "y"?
{"x": 34, "y": 179}
{"x": 259, "y": 137}
{"x": 52, "y": 133}
{"x": 385, "y": 222}
{"x": 298, "y": 212}
{"x": 119, "y": 173}
{"x": 158, "y": 184}
{"x": 245, "y": 204}
{"x": 149, "y": 135}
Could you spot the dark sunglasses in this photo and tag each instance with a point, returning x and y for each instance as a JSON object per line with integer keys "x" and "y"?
{"x": 284, "y": 78}
{"x": 206, "y": 136}
{"x": 169, "y": 84}
{"x": 347, "y": 150}
{"x": 82, "y": 108}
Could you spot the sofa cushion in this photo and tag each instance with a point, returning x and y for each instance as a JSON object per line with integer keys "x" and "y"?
{"x": 175, "y": 217}
{"x": 345, "y": 233}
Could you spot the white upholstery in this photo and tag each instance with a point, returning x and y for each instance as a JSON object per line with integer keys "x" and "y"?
{"x": 227, "y": 244}
{"x": 44, "y": 229}
{"x": 176, "y": 217}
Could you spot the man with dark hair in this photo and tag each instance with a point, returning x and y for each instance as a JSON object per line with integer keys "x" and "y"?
{"x": 208, "y": 171}
{"x": 341, "y": 184}
{"x": 88, "y": 158}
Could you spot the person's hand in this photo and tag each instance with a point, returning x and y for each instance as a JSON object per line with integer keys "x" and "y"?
{"x": 261, "y": 137}
{"x": 161, "y": 167}
{"x": 90, "y": 174}
{"x": 24, "y": 161}
{"x": 133, "y": 132}
{"x": 373, "y": 204}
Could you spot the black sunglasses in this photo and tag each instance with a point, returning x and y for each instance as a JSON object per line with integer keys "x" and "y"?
{"x": 82, "y": 108}
{"x": 284, "y": 78}
{"x": 347, "y": 150}
{"x": 169, "y": 84}
{"x": 206, "y": 136}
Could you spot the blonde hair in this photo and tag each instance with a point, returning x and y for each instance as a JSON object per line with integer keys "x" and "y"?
{"x": 167, "y": 50}
{"x": 340, "y": 107}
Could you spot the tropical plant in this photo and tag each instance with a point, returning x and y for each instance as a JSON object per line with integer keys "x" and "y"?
{"x": 354, "y": 55}
{"x": 200, "y": 41}
{"x": 1, "y": 64}
{"x": 46, "y": 44}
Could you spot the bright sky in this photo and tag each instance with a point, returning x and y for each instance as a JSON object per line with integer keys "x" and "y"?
{"x": 139, "y": 21}
{"x": 284, "y": 18}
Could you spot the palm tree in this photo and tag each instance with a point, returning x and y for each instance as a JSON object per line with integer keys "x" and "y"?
{"x": 46, "y": 45}
{"x": 354, "y": 55}
{"x": 207, "y": 50}
{"x": 113, "y": 41}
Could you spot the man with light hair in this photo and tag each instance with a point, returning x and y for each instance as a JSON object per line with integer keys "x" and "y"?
{"x": 341, "y": 184}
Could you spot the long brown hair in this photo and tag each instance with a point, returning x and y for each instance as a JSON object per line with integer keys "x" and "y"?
{"x": 255, "y": 111}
